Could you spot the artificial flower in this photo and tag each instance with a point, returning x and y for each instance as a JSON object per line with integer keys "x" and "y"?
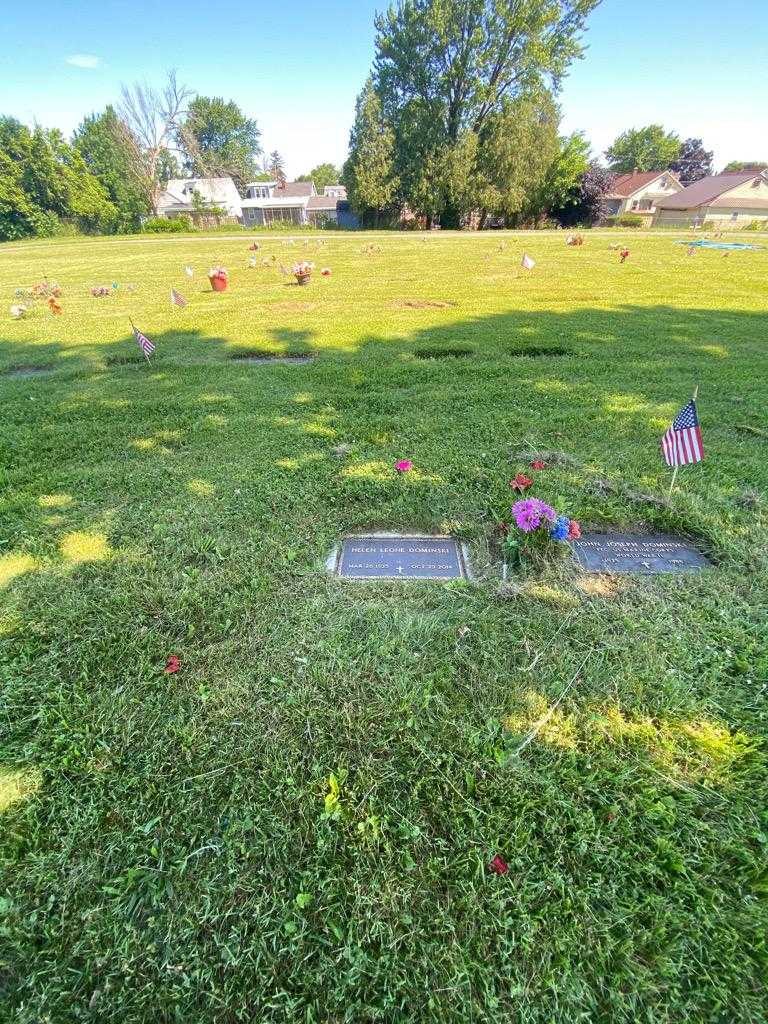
{"x": 521, "y": 483}
{"x": 326, "y": 272}
{"x": 404, "y": 466}
{"x": 538, "y": 464}
{"x": 499, "y": 865}
{"x": 531, "y": 513}
{"x": 574, "y": 530}
{"x": 560, "y": 528}
{"x": 173, "y": 664}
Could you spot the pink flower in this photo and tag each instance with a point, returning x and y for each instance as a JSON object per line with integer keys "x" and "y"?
{"x": 499, "y": 865}
{"x": 574, "y": 530}
{"x": 173, "y": 664}
{"x": 404, "y": 466}
{"x": 538, "y": 464}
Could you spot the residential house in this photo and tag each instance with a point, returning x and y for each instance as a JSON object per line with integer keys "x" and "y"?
{"x": 295, "y": 202}
{"x": 727, "y": 201}
{"x": 178, "y": 196}
{"x": 640, "y": 191}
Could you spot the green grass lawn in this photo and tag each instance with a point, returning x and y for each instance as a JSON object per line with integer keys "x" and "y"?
{"x": 167, "y": 851}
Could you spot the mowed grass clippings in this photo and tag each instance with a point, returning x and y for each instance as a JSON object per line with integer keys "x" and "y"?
{"x": 298, "y": 824}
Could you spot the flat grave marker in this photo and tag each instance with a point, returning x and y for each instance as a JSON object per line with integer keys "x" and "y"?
{"x": 411, "y": 557}
{"x": 647, "y": 554}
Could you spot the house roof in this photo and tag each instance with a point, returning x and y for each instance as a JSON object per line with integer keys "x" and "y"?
{"x": 625, "y": 185}
{"x": 278, "y": 201}
{"x": 322, "y": 203}
{"x": 706, "y": 190}
{"x": 296, "y": 188}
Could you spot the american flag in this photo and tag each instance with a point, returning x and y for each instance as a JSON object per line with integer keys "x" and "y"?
{"x": 146, "y": 346}
{"x": 176, "y": 299}
{"x": 682, "y": 443}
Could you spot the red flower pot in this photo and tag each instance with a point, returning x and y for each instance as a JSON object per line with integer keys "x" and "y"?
{"x": 219, "y": 282}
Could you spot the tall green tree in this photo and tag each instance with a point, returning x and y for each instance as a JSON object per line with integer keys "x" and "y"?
{"x": 44, "y": 182}
{"x": 560, "y": 189}
{"x": 444, "y": 67}
{"x": 368, "y": 171}
{"x": 103, "y": 143}
{"x": 517, "y": 148}
{"x": 322, "y": 175}
{"x": 218, "y": 139}
{"x": 643, "y": 149}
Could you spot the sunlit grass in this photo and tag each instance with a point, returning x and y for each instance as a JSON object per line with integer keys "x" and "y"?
{"x": 604, "y": 736}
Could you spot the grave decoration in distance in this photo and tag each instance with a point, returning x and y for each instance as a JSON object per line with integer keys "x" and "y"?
{"x": 219, "y": 278}
{"x": 302, "y": 271}
{"x": 647, "y": 554}
{"x": 393, "y": 557}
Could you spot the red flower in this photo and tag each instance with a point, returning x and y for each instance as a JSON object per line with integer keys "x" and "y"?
{"x": 574, "y": 530}
{"x": 172, "y": 664}
{"x": 498, "y": 865}
{"x": 521, "y": 483}
{"x": 538, "y": 464}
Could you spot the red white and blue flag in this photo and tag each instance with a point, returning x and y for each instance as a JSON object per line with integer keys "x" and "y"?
{"x": 176, "y": 299}
{"x": 682, "y": 444}
{"x": 146, "y": 346}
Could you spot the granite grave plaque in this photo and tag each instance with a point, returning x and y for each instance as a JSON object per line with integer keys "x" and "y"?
{"x": 643, "y": 553}
{"x": 410, "y": 557}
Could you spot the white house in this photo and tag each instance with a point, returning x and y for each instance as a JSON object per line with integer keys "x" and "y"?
{"x": 294, "y": 202}
{"x": 727, "y": 201}
{"x": 640, "y": 191}
{"x": 178, "y": 196}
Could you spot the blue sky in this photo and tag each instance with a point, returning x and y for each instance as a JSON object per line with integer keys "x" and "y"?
{"x": 698, "y": 68}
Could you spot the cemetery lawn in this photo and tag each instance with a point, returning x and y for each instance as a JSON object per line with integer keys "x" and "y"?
{"x": 297, "y": 825}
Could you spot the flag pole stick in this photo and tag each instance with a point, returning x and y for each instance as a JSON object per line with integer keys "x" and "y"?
{"x": 133, "y": 325}
{"x": 674, "y": 471}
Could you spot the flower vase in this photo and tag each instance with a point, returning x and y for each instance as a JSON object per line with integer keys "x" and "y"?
{"x": 302, "y": 279}
{"x": 218, "y": 282}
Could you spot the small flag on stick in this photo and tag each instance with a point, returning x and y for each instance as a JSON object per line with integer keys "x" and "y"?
{"x": 146, "y": 346}
{"x": 682, "y": 444}
{"x": 527, "y": 263}
{"x": 176, "y": 299}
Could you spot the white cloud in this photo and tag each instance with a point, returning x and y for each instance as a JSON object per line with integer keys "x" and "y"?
{"x": 84, "y": 60}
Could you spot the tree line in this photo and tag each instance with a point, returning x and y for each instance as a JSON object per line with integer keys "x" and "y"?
{"x": 458, "y": 121}
{"x": 457, "y": 124}
{"x": 110, "y": 175}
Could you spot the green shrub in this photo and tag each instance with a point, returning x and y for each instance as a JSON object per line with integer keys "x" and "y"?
{"x": 625, "y": 220}
{"x": 166, "y": 225}
{"x": 757, "y": 225}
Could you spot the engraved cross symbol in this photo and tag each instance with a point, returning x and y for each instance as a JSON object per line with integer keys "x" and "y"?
{"x": 400, "y": 569}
